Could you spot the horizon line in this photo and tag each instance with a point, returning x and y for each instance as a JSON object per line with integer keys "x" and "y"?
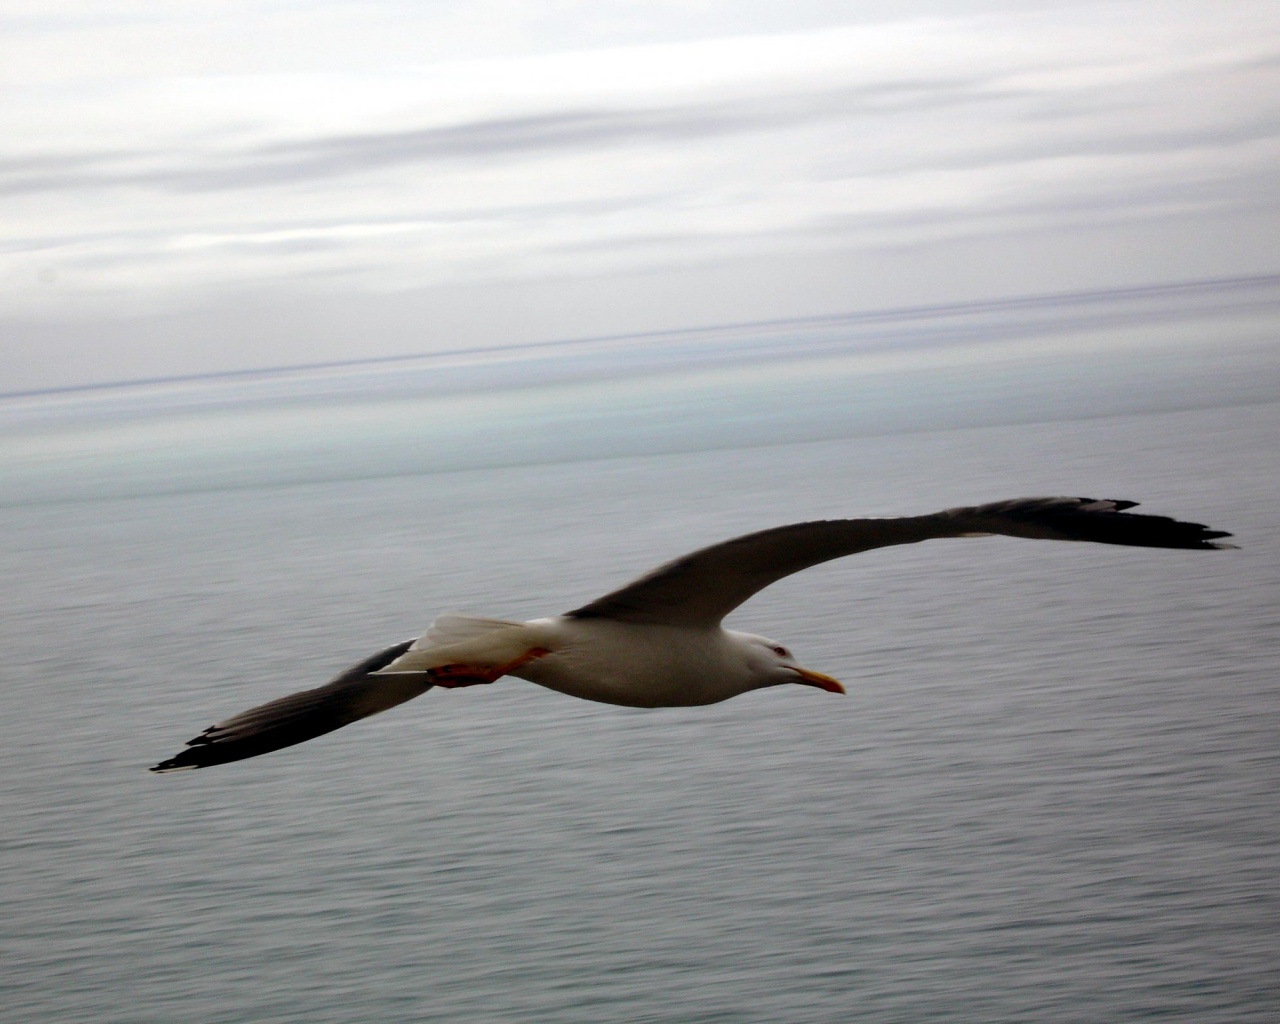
{"x": 864, "y": 316}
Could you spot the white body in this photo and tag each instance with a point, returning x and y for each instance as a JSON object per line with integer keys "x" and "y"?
{"x": 640, "y": 666}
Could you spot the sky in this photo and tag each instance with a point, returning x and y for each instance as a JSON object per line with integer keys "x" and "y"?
{"x": 189, "y": 187}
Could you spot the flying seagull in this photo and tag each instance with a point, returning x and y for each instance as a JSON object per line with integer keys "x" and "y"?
{"x": 657, "y": 642}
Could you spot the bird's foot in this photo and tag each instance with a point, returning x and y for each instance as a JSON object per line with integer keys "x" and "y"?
{"x": 452, "y": 677}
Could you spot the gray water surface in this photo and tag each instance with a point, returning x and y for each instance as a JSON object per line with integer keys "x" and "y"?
{"x": 1051, "y": 793}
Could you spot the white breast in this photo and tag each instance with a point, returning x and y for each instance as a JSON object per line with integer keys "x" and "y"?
{"x": 644, "y": 666}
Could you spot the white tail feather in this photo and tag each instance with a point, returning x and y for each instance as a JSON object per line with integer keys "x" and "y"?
{"x": 454, "y": 629}
{"x": 464, "y": 640}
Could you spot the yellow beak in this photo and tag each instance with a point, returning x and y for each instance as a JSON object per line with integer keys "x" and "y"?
{"x": 817, "y": 679}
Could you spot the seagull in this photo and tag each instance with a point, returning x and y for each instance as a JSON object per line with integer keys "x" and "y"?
{"x": 658, "y": 641}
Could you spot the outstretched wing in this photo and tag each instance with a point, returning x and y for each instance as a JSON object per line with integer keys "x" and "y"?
{"x": 353, "y": 694}
{"x": 701, "y": 588}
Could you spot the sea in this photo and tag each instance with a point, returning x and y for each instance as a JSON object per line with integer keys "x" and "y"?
{"x": 1052, "y": 792}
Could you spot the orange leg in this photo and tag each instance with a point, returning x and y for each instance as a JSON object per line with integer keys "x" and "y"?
{"x": 451, "y": 677}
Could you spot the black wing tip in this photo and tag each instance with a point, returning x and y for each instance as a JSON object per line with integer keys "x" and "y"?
{"x": 174, "y": 764}
{"x": 1101, "y": 520}
{"x": 196, "y": 755}
{"x": 182, "y": 762}
{"x": 225, "y": 741}
{"x": 1208, "y": 539}
{"x": 1158, "y": 531}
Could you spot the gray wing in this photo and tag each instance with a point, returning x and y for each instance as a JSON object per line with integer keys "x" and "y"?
{"x": 701, "y": 588}
{"x": 350, "y": 696}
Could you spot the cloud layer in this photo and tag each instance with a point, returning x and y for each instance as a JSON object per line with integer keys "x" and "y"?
{"x": 124, "y": 190}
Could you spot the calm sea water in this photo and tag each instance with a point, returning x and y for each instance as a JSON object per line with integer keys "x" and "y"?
{"x": 1051, "y": 793}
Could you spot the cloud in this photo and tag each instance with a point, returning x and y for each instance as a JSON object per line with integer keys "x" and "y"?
{"x": 576, "y": 130}
{"x": 164, "y": 189}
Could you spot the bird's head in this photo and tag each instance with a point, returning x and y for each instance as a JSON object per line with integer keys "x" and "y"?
{"x": 773, "y": 664}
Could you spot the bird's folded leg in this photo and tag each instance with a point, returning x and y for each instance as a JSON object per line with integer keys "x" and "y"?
{"x": 451, "y": 677}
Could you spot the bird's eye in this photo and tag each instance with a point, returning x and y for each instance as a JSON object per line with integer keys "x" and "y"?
{"x": 780, "y": 651}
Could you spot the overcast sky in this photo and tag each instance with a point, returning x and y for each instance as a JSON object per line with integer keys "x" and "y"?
{"x": 189, "y": 186}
